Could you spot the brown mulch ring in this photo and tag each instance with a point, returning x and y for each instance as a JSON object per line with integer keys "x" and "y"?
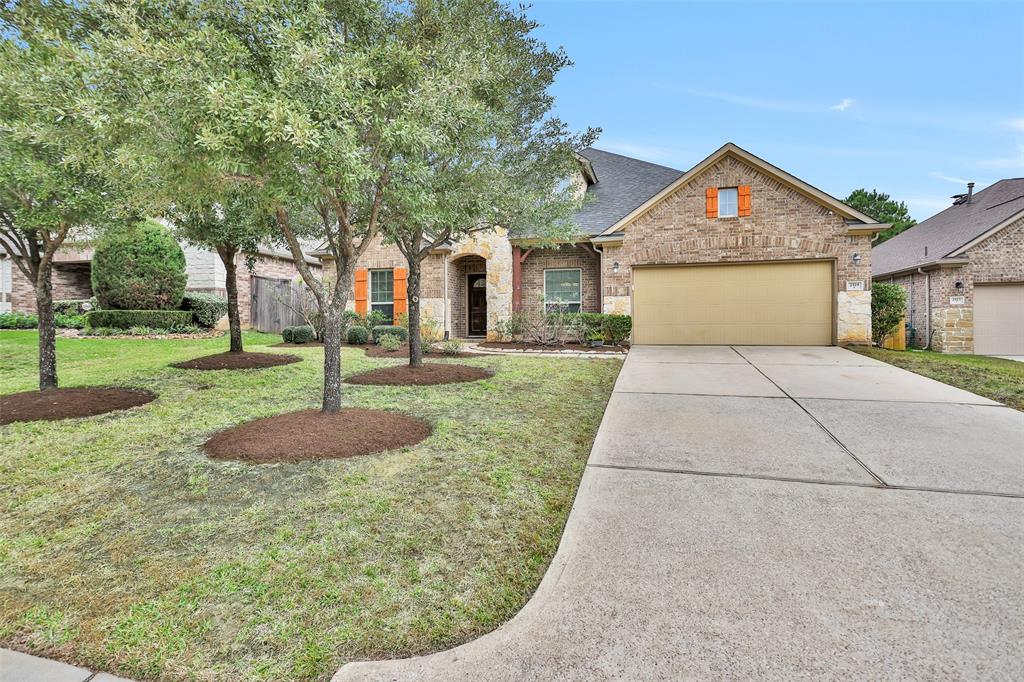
{"x": 311, "y": 434}
{"x": 243, "y": 360}
{"x": 375, "y": 351}
{"x": 66, "y": 403}
{"x": 308, "y": 344}
{"x": 568, "y": 347}
{"x": 430, "y": 374}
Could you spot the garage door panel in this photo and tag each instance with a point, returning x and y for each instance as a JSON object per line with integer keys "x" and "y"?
{"x": 751, "y": 304}
{"x": 999, "y": 319}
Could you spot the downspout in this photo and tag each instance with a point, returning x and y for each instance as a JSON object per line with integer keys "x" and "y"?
{"x": 600, "y": 274}
{"x": 444, "y": 307}
{"x": 927, "y": 307}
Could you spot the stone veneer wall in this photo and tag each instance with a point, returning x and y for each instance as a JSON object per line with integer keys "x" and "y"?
{"x": 783, "y": 225}
{"x": 566, "y": 256}
{"x": 494, "y": 247}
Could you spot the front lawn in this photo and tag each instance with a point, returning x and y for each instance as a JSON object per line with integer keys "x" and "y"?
{"x": 124, "y": 548}
{"x": 995, "y": 378}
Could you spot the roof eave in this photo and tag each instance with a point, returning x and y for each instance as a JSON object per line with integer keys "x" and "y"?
{"x": 927, "y": 266}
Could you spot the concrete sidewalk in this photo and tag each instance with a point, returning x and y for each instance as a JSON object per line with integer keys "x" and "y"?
{"x": 18, "y": 667}
{"x": 775, "y": 512}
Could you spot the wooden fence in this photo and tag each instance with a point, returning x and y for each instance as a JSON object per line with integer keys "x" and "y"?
{"x": 898, "y": 339}
{"x": 270, "y": 311}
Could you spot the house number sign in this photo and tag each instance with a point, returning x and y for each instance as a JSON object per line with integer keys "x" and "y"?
{"x": 855, "y": 285}
{"x": 957, "y": 300}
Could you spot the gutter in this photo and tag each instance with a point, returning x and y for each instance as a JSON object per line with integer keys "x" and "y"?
{"x": 930, "y": 265}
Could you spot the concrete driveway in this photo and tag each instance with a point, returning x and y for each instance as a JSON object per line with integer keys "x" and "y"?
{"x": 775, "y": 512}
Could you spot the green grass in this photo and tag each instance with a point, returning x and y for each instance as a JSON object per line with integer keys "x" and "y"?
{"x": 123, "y": 548}
{"x": 995, "y": 378}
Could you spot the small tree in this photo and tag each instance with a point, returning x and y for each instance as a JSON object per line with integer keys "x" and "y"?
{"x": 884, "y": 209}
{"x": 139, "y": 268}
{"x": 888, "y": 309}
{"x": 49, "y": 191}
{"x": 237, "y": 225}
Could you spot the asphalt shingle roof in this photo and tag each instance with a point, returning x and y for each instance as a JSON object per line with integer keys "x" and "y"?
{"x": 947, "y": 231}
{"x": 622, "y": 185}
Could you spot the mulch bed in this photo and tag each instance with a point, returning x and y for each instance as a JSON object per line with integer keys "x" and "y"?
{"x": 311, "y": 434}
{"x": 574, "y": 347}
{"x": 430, "y": 374}
{"x": 242, "y": 360}
{"x": 375, "y": 351}
{"x": 310, "y": 344}
{"x": 65, "y": 403}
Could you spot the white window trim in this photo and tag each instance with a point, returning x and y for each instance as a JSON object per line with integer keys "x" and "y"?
{"x": 729, "y": 215}
{"x": 369, "y": 293}
{"x": 579, "y": 302}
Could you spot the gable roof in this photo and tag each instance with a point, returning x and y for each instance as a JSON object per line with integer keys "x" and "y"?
{"x": 622, "y": 185}
{"x": 730, "y": 149}
{"x": 947, "y": 233}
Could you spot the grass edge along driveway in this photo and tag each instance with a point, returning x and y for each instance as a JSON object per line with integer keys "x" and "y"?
{"x": 124, "y": 549}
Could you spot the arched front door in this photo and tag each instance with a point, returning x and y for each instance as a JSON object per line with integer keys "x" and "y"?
{"x": 476, "y": 284}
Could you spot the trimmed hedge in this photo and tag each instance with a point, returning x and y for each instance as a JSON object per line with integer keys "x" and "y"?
{"x": 357, "y": 336}
{"x": 617, "y": 328}
{"x": 73, "y": 306}
{"x": 381, "y": 329}
{"x": 140, "y": 268}
{"x": 18, "y": 320}
{"x": 126, "y": 319}
{"x": 299, "y": 334}
{"x": 206, "y": 309}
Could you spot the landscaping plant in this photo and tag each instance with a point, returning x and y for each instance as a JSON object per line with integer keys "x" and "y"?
{"x": 401, "y": 333}
{"x": 358, "y": 336}
{"x": 390, "y": 342}
{"x": 888, "y": 309}
{"x": 139, "y": 268}
{"x": 207, "y": 309}
{"x": 451, "y": 347}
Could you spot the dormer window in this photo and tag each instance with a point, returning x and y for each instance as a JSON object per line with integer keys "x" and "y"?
{"x": 728, "y": 202}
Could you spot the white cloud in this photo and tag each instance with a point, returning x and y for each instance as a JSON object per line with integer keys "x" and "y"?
{"x": 1009, "y": 163}
{"x": 842, "y": 106}
{"x": 948, "y": 178}
{"x": 1015, "y": 124}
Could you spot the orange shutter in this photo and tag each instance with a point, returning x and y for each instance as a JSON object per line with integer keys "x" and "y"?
{"x": 744, "y": 199}
{"x": 362, "y": 286}
{"x": 400, "y": 295}
{"x": 712, "y": 203}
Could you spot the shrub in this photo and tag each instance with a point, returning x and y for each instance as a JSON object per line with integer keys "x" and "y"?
{"x": 206, "y": 309}
{"x": 513, "y": 327}
{"x": 374, "y": 318}
{"x": 402, "y": 320}
{"x": 617, "y": 328}
{"x": 451, "y": 347}
{"x": 140, "y": 268}
{"x": 381, "y": 329}
{"x": 126, "y": 319}
{"x": 142, "y": 330}
{"x": 69, "y": 321}
{"x": 302, "y": 333}
{"x": 430, "y": 331}
{"x": 390, "y": 342}
{"x": 357, "y": 336}
{"x": 888, "y": 308}
{"x": 18, "y": 320}
{"x": 73, "y": 307}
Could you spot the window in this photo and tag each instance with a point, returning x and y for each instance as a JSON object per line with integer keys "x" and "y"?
{"x": 728, "y": 202}
{"x": 562, "y": 289}
{"x": 382, "y": 293}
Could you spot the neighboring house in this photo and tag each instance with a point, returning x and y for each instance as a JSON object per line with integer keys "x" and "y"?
{"x": 733, "y": 251}
{"x": 273, "y": 270}
{"x": 963, "y": 270}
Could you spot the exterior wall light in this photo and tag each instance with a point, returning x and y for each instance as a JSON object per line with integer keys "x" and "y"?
{"x": 959, "y": 287}
{"x": 856, "y": 259}
{"x": 615, "y": 266}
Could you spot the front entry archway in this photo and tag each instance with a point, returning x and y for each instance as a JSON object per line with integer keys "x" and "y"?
{"x": 476, "y": 306}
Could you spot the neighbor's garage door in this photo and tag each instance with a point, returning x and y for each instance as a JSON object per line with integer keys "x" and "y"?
{"x": 999, "y": 319}
{"x": 753, "y": 304}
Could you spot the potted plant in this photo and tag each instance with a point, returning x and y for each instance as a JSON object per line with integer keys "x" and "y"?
{"x": 596, "y": 339}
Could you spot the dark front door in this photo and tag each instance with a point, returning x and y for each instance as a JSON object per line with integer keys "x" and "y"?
{"x": 477, "y": 285}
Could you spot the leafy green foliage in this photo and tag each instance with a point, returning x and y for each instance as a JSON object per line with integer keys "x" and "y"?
{"x": 73, "y": 306}
{"x": 298, "y": 334}
{"x": 125, "y": 319}
{"x": 380, "y": 330}
{"x": 140, "y": 268}
{"x": 451, "y": 347}
{"x": 617, "y": 328}
{"x": 358, "y": 335}
{"x": 207, "y": 309}
{"x": 17, "y": 320}
{"x": 389, "y": 342}
{"x": 884, "y": 209}
{"x": 888, "y": 309}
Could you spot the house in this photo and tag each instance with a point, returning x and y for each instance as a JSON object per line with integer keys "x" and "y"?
{"x": 273, "y": 269}
{"x": 732, "y": 251}
{"x": 963, "y": 271}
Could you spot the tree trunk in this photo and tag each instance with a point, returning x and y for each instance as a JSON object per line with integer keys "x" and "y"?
{"x": 332, "y": 359}
{"x": 227, "y": 256}
{"x": 415, "y": 337}
{"x": 47, "y": 330}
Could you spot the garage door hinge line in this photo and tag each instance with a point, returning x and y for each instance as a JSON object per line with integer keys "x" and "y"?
{"x": 831, "y": 435}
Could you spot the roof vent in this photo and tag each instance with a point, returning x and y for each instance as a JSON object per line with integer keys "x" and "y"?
{"x": 959, "y": 199}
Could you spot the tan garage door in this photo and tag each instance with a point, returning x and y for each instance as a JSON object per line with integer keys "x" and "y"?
{"x": 999, "y": 319}
{"x": 788, "y": 304}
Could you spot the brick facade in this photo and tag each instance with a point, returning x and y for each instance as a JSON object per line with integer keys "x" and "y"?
{"x": 568, "y": 256}
{"x": 783, "y": 225}
{"x": 998, "y": 259}
{"x": 71, "y": 279}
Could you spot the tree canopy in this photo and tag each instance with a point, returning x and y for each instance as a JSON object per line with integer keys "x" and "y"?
{"x": 884, "y": 209}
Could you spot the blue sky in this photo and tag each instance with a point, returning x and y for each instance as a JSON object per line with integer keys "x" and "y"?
{"x": 913, "y": 99}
